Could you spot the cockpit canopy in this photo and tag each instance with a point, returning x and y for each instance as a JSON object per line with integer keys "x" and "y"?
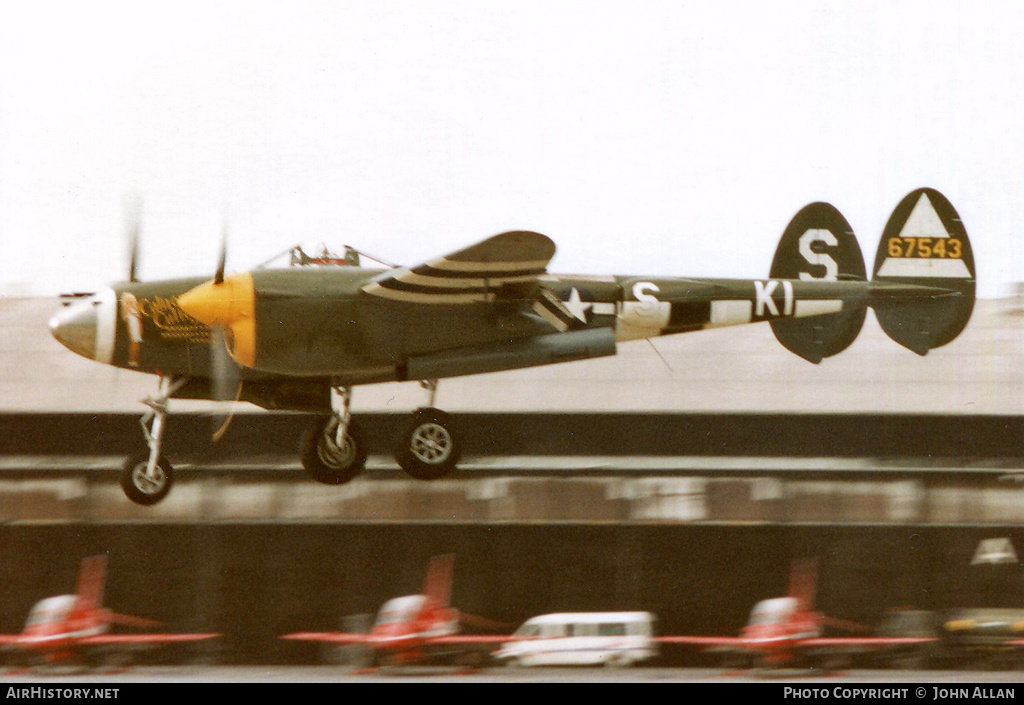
{"x": 400, "y": 609}
{"x": 52, "y": 609}
{"x": 773, "y": 611}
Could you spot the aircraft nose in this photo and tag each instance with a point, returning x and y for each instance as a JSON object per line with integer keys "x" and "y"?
{"x": 75, "y": 327}
{"x": 88, "y": 327}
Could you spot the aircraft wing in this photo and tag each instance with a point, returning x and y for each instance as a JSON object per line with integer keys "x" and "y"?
{"x": 702, "y": 640}
{"x": 469, "y": 639}
{"x": 6, "y": 639}
{"x": 872, "y": 641}
{"x": 329, "y": 637}
{"x": 478, "y": 273}
{"x": 816, "y": 642}
{"x": 349, "y": 638}
{"x": 116, "y": 639}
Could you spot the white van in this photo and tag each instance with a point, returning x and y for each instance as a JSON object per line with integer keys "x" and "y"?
{"x": 582, "y": 639}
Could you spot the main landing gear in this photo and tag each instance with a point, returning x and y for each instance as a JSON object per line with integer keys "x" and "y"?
{"x": 428, "y": 449}
{"x": 147, "y": 477}
{"x": 333, "y": 451}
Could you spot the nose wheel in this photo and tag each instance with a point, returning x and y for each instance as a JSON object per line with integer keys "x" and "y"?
{"x": 146, "y": 478}
{"x": 143, "y": 485}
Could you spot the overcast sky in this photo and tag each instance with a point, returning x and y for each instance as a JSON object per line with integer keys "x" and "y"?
{"x": 644, "y": 137}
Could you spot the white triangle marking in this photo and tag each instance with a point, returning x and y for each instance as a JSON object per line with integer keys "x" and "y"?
{"x": 924, "y": 221}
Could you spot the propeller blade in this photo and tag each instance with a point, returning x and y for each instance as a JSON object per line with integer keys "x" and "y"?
{"x": 218, "y": 277}
{"x": 133, "y": 227}
{"x": 226, "y": 380}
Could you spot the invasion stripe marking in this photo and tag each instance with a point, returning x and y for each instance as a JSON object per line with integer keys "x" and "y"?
{"x": 569, "y": 278}
{"x": 557, "y": 309}
{"x": 818, "y": 307}
{"x": 435, "y": 281}
{"x": 427, "y": 296}
{"x": 398, "y": 285}
{"x": 550, "y": 316}
{"x": 689, "y": 314}
{"x": 731, "y": 312}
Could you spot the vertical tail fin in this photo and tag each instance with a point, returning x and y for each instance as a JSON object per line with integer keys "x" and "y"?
{"x": 803, "y": 582}
{"x": 437, "y": 586}
{"x": 91, "y": 580}
{"x": 923, "y": 283}
{"x": 924, "y": 244}
{"x": 819, "y": 245}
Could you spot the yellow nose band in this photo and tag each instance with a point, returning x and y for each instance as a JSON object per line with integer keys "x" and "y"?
{"x": 229, "y": 303}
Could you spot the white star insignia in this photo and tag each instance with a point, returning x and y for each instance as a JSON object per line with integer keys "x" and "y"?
{"x": 576, "y": 306}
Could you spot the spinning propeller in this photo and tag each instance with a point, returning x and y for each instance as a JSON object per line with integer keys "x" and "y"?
{"x": 225, "y": 376}
{"x": 225, "y": 381}
{"x": 132, "y": 229}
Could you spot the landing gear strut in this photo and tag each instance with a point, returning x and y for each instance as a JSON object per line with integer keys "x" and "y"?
{"x": 146, "y": 478}
{"x": 429, "y": 448}
{"x": 332, "y": 449}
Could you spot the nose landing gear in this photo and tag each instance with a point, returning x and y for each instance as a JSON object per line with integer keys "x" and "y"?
{"x": 146, "y": 478}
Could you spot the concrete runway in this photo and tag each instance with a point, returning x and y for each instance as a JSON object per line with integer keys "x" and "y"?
{"x": 339, "y": 674}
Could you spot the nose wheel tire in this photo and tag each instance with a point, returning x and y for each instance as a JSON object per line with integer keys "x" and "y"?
{"x": 327, "y": 461}
{"x": 429, "y": 448}
{"x": 139, "y": 486}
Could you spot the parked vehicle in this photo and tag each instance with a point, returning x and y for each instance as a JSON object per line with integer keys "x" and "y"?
{"x": 582, "y": 639}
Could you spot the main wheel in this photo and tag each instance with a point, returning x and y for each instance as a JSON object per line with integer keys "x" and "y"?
{"x": 326, "y": 461}
{"x": 142, "y": 489}
{"x": 429, "y": 448}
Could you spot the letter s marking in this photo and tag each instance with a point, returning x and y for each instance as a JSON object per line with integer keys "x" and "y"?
{"x": 819, "y": 258}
